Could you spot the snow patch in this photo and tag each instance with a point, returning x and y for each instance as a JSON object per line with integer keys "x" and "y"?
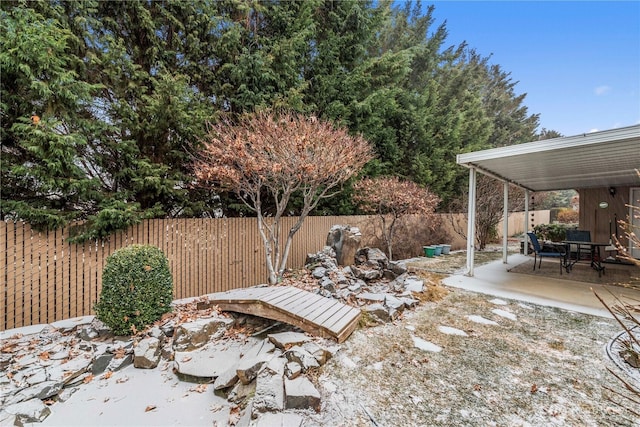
{"x": 452, "y": 331}
{"x": 498, "y": 301}
{"x": 506, "y": 314}
{"x": 480, "y": 319}
{"x": 426, "y": 345}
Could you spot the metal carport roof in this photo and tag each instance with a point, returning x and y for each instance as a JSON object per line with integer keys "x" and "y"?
{"x": 598, "y": 159}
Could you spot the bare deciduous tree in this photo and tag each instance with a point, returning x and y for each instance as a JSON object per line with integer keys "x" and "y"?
{"x": 391, "y": 198}
{"x": 489, "y": 208}
{"x": 276, "y": 155}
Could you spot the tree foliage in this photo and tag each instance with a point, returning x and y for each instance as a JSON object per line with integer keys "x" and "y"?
{"x": 391, "y": 199}
{"x": 266, "y": 157}
{"x": 120, "y": 93}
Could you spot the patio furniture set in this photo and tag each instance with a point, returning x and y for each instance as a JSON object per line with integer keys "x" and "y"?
{"x": 577, "y": 246}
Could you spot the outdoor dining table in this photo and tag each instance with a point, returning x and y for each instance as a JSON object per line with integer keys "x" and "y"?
{"x": 594, "y": 254}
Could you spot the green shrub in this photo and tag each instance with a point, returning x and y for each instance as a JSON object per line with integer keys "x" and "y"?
{"x": 553, "y": 232}
{"x": 137, "y": 289}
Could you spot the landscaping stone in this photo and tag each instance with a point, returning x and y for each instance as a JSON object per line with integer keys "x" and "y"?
{"x": 293, "y": 370}
{"x": 269, "y": 395}
{"x": 286, "y": 340}
{"x": 303, "y": 357}
{"x": 345, "y": 242}
{"x": 283, "y": 419}
{"x": 30, "y": 411}
{"x": 300, "y": 393}
{"x": 425, "y": 345}
{"x": 226, "y": 379}
{"x": 193, "y": 335}
{"x": 146, "y": 354}
{"x": 209, "y": 361}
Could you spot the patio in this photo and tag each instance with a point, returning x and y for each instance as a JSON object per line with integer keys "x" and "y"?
{"x": 551, "y": 289}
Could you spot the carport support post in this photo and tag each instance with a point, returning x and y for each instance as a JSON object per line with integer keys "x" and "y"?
{"x": 471, "y": 221}
{"x": 526, "y": 222}
{"x": 505, "y": 221}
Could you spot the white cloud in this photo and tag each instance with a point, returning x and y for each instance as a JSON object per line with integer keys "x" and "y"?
{"x": 602, "y": 90}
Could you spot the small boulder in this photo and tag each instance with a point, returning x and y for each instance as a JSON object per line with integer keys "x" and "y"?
{"x": 300, "y": 393}
{"x": 146, "y": 355}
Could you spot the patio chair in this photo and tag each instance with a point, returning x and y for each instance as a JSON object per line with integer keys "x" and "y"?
{"x": 579, "y": 236}
{"x": 550, "y": 251}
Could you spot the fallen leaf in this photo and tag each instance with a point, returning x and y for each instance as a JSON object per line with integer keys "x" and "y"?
{"x": 122, "y": 380}
{"x": 44, "y": 355}
{"x": 186, "y": 359}
{"x": 477, "y": 387}
{"x": 88, "y": 379}
{"x": 119, "y": 353}
{"x": 49, "y": 402}
{"x": 200, "y": 388}
{"x": 107, "y": 375}
{"x": 150, "y": 408}
{"x": 534, "y": 388}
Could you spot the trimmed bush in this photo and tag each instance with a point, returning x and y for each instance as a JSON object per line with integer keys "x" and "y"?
{"x": 137, "y": 289}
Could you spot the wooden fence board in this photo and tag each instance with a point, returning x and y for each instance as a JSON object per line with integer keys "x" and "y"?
{"x": 45, "y": 278}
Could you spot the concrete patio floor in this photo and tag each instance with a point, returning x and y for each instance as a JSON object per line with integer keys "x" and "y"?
{"x": 494, "y": 279}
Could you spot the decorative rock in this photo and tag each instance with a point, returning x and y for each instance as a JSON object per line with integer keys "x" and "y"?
{"x": 226, "y": 379}
{"x": 292, "y": 370}
{"x": 398, "y": 267}
{"x": 252, "y": 362}
{"x": 241, "y": 392}
{"x": 366, "y": 273}
{"x": 146, "y": 354}
{"x": 414, "y": 285}
{"x": 285, "y": 340}
{"x": 372, "y": 257}
{"x": 300, "y": 393}
{"x": 328, "y": 285}
{"x": 31, "y": 411}
{"x": 344, "y": 240}
{"x": 322, "y": 355}
{"x": 319, "y": 272}
{"x": 209, "y": 361}
{"x": 269, "y": 395}
{"x": 393, "y": 302}
{"x": 304, "y": 358}
{"x": 72, "y": 369}
{"x": 379, "y": 312}
{"x": 280, "y": 419}
{"x": 193, "y": 335}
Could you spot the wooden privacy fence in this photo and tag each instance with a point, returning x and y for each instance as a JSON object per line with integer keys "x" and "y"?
{"x": 45, "y": 278}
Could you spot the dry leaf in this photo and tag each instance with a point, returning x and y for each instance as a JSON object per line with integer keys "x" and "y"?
{"x": 534, "y": 388}
{"x": 122, "y": 380}
{"x": 44, "y": 355}
{"x": 107, "y": 375}
{"x": 49, "y": 402}
{"x": 88, "y": 379}
{"x": 150, "y": 408}
{"x": 119, "y": 353}
{"x": 186, "y": 359}
{"x": 477, "y": 387}
{"x": 200, "y": 388}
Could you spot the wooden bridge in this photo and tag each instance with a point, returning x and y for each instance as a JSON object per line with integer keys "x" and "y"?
{"x": 313, "y": 313}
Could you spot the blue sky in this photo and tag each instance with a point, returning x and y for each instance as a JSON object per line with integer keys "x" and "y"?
{"x": 577, "y": 61}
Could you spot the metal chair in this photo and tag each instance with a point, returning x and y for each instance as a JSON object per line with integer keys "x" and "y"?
{"x": 553, "y": 251}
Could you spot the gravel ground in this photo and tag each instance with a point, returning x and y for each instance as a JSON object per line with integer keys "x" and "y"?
{"x": 522, "y": 365}
{"x": 535, "y": 366}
